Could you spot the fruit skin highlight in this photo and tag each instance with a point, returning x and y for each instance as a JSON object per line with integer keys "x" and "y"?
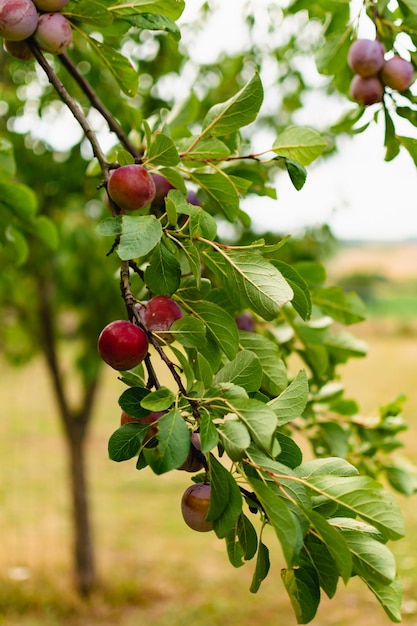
{"x": 160, "y": 313}
{"x": 122, "y": 345}
{"x": 195, "y": 504}
{"x": 397, "y": 73}
{"x": 18, "y": 19}
{"x": 366, "y": 57}
{"x": 131, "y": 187}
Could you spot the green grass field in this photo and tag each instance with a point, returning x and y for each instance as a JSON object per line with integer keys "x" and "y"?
{"x": 153, "y": 569}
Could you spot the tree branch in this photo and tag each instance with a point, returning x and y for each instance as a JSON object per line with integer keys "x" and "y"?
{"x": 99, "y": 105}
{"x": 73, "y": 106}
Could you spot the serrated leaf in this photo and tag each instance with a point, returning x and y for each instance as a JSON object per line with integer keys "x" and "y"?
{"x": 208, "y": 434}
{"x": 303, "y": 588}
{"x": 240, "y": 110}
{"x": 260, "y": 285}
{"x": 140, "y": 234}
{"x": 121, "y": 69}
{"x": 332, "y": 466}
{"x": 363, "y": 497}
{"x": 89, "y": 12}
{"x": 163, "y": 274}
{"x": 173, "y": 446}
{"x": 299, "y": 143}
{"x": 292, "y": 401}
{"x": 244, "y": 370}
{"x": 162, "y": 151}
{"x": 171, "y": 8}
{"x": 201, "y": 223}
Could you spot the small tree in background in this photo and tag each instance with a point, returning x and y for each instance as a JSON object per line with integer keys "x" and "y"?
{"x": 222, "y": 316}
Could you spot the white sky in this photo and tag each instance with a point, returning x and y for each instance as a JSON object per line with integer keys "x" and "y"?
{"x": 356, "y": 192}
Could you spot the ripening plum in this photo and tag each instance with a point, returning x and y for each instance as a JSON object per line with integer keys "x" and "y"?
{"x": 158, "y": 315}
{"x": 18, "y": 19}
{"x": 50, "y": 5}
{"x": 245, "y": 321}
{"x": 366, "y": 91}
{"x": 131, "y": 187}
{"x": 122, "y": 345}
{"x": 19, "y": 49}
{"x": 397, "y": 73}
{"x": 54, "y": 33}
{"x": 195, "y": 505}
{"x": 162, "y": 187}
{"x": 194, "y": 461}
{"x": 366, "y": 57}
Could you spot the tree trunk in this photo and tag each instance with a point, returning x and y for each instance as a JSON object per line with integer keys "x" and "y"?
{"x": 84, "y": 561}
{"x": 75, "y": 426}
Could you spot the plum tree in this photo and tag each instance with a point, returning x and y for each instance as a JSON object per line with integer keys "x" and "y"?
{"x": 397, "y": 73}
{"x": 366, "y": 57}
{"x": 195, "y": 459}
{"x": 131, "y": 187}
{"x": 122, "y": 345}
{"x": 54, "y": 33}
{"x": 162, "y": 187}
{"x": 366, "y": 91}
{"x": 50, "y": 5}
{"x": 195, "y": 504}
{"x": 18, "y": 19}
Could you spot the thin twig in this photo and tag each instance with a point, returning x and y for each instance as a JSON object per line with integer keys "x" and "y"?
{"x": 99, "y": 105}
{"x": 73, "y": 106}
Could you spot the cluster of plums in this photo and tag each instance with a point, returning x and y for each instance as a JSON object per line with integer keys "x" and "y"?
{"x": 40, "y": 19}
{"x": 366, "y": 58}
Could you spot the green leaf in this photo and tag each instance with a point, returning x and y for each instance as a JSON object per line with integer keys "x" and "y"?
{"x": 206, "y": 149}
{"x": 302, "y": 585}
{"x": 125, "y": 442}
{"x": 7, "y": 162}
{"x": 152, "y": 21}
{"x": 280, "y": 517}
{"x": 329, "y": 465}
{"x": 274, "y": 379}
{"x": 390, "y": 598}
{"x": 173, "y": 443}
{"x": 261, "y": 569}
{"x": 89, "y": 12}
{"x": 240, "y": 110}
{"x": 291, "y": 403}
{"x": 346, "y": 308}
{"x": 247, "y": 537}
{"x": 225, "y": 500}
{"x": 235, "y": 438}
{"x": 258, "y": 418}
{"x": 332, "y": 55}
{"x": 140, "y": 234}
{"x": 208, "y": 434}
{"x": 121, "y": 69}
{"x": 170, "y": 8}
{"x": 201, "y": 223}
{"x": 363, "y": 497}
{"x": 410, "y": 144}
{"x": 18, "y": 199}
{"x": 158, "y": 400}
{"x": 259, "y": 284}
{"x": 301, "y": 144}
{"x": 318, "y": 554}
{"x": 302, "y": 298}
{"x": 221, "y": 192}
{"x": 220, "y": 325}
{"x": 245, "y": 370}
{"x": 372, "y": 560}
{"x": 296, "y": 172}
{"x": 233, "y": 547}
{"x": 335, "y": 542}
{"x": 189, "y": 331}
{"x": 163, "y": 274}
{"x": 162, "y": 151}
{"x": 130, "y": 401}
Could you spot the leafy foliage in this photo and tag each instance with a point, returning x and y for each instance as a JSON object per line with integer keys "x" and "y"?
{"x": 249, "y": 394}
